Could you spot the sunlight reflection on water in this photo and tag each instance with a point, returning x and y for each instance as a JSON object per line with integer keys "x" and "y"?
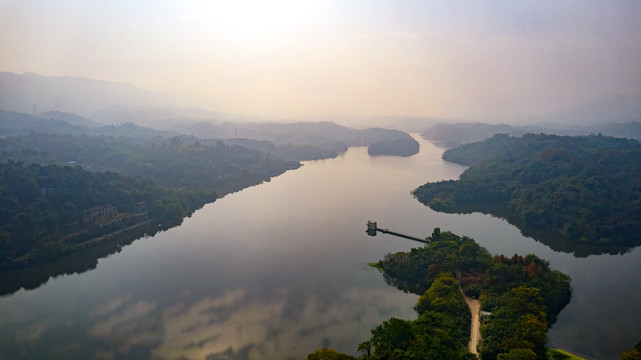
{"x": 279, "y": 270}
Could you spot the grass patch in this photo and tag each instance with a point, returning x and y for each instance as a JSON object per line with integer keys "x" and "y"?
{"x": 558, "y": 354}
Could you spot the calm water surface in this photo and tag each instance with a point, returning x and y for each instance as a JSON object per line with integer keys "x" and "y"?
{"x": 280, "y": 269}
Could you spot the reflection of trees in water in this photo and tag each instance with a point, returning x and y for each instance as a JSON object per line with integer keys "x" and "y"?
{"x": 404, "y": 284}
{"x": 574, "y": 194}
{"x": 550, "y": 238}
{"x": 34, "y": 276}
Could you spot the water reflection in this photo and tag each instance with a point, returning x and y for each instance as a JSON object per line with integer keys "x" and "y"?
{"x": 38, "y": 274}
{"x": 239, "y": 324}
{"x": 547, "y": 237}
{"x": 244, "y": 324}
{"x": 279, "y": 270}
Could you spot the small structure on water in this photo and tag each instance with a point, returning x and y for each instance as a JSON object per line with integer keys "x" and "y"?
{"x": 372, "y": 228}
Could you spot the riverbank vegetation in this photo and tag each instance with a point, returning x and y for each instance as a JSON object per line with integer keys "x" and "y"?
{"x": 177, "y": 163}
{"x": 62, "y": 190}
{"x": 520, "y": 295}
{"x": 583, "y": 189}
{"x": 48, "y": 211}
{"x": 56, "y": 206}
{"x": 558, "y": 354}
{"x": 64, "y": 194}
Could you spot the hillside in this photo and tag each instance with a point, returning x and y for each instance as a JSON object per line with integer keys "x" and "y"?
{"x": 48, "y": 206}
{"x": 70, "y": 118}
{"x": 104, "y": 101}
{"x": 51, "y": 122}
{"x": 296, "y": 141}
{"x": 169, "y": 162}
{"x": 451, "y": 135}
{"x": 614, "y": 109}
{"x": 324, "y": 134}
{"x": 48, "y": 211}
{"x": 584, "y": 189}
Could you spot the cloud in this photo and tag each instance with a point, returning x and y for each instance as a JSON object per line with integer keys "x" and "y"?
{"x": 482, "y": 59}
{"x": 33, "y": 333}
{"x": 261, "y": 324}
{"x": 122, "y": 327}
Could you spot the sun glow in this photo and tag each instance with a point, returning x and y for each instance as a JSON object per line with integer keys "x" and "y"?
{"x": 256, "y": 20}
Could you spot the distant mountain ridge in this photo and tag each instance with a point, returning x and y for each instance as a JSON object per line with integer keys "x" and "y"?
{"x": 82, "y": 96}
{"x": 620, "y": 108}
{"x": 452, "y": 135}
{"x": 313, "y": 140}
{"x": 14, "y": 124}
{"x": 70, "y": 118}
{"x": 104, "y": 101}
{"x": 116, "y": 102}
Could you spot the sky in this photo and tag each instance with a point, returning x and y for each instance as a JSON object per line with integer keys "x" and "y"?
{"x": 293, "y": 58}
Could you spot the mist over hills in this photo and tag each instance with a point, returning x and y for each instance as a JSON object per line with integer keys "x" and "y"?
{"x": 112, "y": 102}
{"x": 70, "y": 118}
{"x": 619, "y": 116}
{"x": 68, "y": 105}
{"x": 82, "y": 96}
{"x": 15, "y": 124}
{"x": 103, "y": 101}
{"x": 298, "y": 133}
{"x": 452, "y": 135}
{"x": 620, "y": 108}
{"x": 290, "y": 141}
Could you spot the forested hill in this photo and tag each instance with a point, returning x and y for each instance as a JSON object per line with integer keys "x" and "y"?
{"x": 176, "y": 163}
{"x": 452, "y": 135}
{"x": 585, "y": 189}
{"x": 297, "y": 141}
{"x": 47, "y": 211}
{"x": 42, "y": 202}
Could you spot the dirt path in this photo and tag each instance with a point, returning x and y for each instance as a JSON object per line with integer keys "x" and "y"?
{"x": 475, "y": 309}
{"x": 475, "y": 334}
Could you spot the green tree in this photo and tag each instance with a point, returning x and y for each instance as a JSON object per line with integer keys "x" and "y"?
{"x": 391, "y": 336}
{"x": 443, "y": 296}
{"x": 518, "y": 354}
{"x": 583, "y": 189}
{"x": 328, "y": 354}
{"x": 366, "y": 348}
{"x": 68, "y": 213}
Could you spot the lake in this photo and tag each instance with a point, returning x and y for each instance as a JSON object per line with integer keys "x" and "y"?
{"x": 277, "y": 270}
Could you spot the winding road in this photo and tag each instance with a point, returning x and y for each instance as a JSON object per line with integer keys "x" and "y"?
{"x": 475, "y": 309}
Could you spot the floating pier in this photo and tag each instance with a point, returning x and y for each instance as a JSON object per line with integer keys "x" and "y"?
{"x": 372, "y": 229}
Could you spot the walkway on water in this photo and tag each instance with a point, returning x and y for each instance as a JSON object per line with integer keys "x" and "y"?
{"x": 475, "y": 309}
{"x": 473, "y": 304}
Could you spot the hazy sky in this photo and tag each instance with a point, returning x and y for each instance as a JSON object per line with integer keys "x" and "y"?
{"x": 295, "y": 58}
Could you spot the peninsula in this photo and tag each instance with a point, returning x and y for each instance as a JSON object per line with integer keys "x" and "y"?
{"x": 585, "y": 190}
{"x": 519, "y": 296}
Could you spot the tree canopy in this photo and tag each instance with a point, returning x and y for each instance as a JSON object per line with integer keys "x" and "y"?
{"x": 179, "y": 162}
{"x": 583, "y": 189}
{"x": 41, "y": 207}
{"x": 522, "y": 293}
